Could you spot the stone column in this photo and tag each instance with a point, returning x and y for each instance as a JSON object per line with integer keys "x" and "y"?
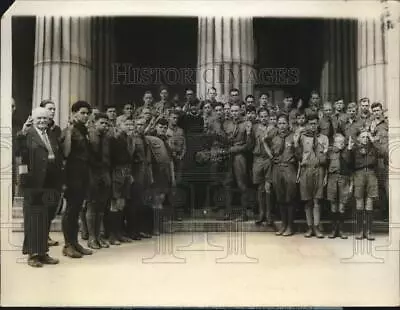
{"x": 225, "y": 55}
{"x": 371, "y": 60}
{"x": 102, "y": 56}
{"x": 62, "y": 65}
{"x": 339, "y": 73}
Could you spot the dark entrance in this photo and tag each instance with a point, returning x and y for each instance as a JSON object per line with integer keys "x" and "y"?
{"x": 158, "y": 43}
{"x": 290, "y": 43}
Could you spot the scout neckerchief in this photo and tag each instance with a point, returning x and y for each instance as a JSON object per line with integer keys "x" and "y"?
{"x": 282, "y": 137}
{"x": 314, "y": 135}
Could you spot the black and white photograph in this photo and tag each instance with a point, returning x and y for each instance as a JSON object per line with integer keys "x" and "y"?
{"x": 200, "y": 153}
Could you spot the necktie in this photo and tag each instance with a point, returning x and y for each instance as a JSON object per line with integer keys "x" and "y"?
{"x": 48, "y": 145}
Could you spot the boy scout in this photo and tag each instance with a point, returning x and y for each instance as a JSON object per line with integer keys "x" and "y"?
{"x": 76, "y": 148}
{"x": 366, "y": 154}
{"x": 284, "y": 174}
{"x": 237, "y": 133}
{"x": 312, "y": 146}
{"x": 262, "y": 167}
{"x": 328, "y": 124}
{"x": 379, "y": 129}
{"x": 313, "y": 104}
{"x": 349, "y": 126}
{"x": 338, "y": 182}
{"x": 364, "y": 118}
{"x": 121, "y": 156}
{"x": 99, "y": 181}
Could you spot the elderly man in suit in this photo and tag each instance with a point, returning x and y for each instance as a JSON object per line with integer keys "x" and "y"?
{"x": 41, "y": 178}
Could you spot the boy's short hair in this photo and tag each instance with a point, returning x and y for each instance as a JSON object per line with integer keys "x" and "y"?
{"x": 338, "y": 136}
{"x": 100, "y": 115}
{"x": 283, "y": 115}
{"x": 376, "y": 104}
{"x": 352, "y": 105}
{"x": 262, "y": 110}
{"x": 312, "y": 116}
{"x": 162, "y": 122}
{"x": 45, "y": 102}
{"x": 79, "y": 105}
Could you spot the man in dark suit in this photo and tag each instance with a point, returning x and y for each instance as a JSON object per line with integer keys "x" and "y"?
{"x": 76, "y": 148}
{"x": 41, "y": 178}
{"x": 55, "y": 131}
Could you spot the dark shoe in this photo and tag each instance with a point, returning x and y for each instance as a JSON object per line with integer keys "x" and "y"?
{"x": 93, "y": 244}
{"x": 281, "y": 230}
{"x": 34, "y": 261}
{"x": 288, "y": 232}
{"x": 135, "y": 237}
{"x": 341, "y": 234}
{"x": 46, "y": 259}
{"x": 368, "y": 232}
{"x": 144, "y": 235}
{"x": 52, "y": 242}
{"x": 71, "y": 252}
{"x": 369, "y": 236}
{"x": 124, "y": 239}
{"x": 261, "y": 220}
{"x": 309, "y": 233}
{"x": 318, "y": 233}
{"x": 84, "y": 235}
{"x": 334, "y": 232}
{"x": 103, "y": 243}
{"x": 82, "y": 250}
{"x": 113, "y": 240}
{"x": 359, "y": 234}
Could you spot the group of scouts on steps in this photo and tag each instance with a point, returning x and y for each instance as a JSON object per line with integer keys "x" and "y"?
{"x": 112, "y": 168}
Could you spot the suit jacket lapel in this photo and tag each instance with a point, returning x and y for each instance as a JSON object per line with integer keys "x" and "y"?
{"x": 37, "y": 138}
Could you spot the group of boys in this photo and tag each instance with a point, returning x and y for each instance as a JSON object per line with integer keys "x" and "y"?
{"x": 117, "y": 166}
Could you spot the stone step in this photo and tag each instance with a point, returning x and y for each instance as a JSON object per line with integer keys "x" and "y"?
{"x": 207, "y": 225}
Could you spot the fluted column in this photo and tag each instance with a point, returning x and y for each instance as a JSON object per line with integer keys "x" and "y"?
{"x": 102, "y": 55}
{"x": 62, "y": 65}
{"x": 339, "y": 73}
{"x": 371, "y": 60}
{"x": 225, "y": 55}
{"x": 392, "y": 36}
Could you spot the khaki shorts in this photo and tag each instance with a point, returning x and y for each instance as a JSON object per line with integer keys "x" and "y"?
{"x": 338, "y": 189}
{"x": 262, "y": 170}
{"x": 365, "y": 184}
{"x": 311, "y": 183}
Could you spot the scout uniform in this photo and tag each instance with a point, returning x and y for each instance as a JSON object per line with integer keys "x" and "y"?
{"x": 365, "y": 185}
{"x": 338, "y": 186}
{"x": 99, "y": 187}
{"x": 75, "y": 138}
{"x": 239, "y": 143}
{"x": 284, "y": 179}
{"x": 139, "y": 223}
{"x": 262, "y": 170}
{"x": 329, "y": 126}
{"x": 312, "y": 148}
{"x": 121, "y": 176}
{"x": 177, "y": 144}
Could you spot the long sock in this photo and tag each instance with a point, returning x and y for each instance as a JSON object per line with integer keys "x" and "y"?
{"x": 317, "y": 213}
{"x": 308, "y": 210}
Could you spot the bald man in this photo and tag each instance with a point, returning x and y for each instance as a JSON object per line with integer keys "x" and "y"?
{"x": 41, "y": 181}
